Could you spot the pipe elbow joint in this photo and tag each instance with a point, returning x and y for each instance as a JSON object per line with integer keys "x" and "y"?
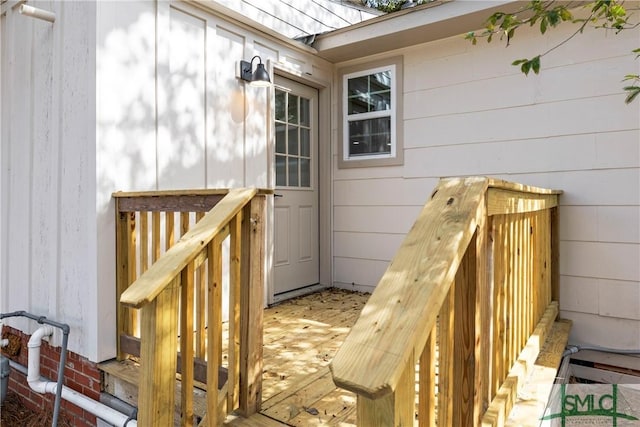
{"x": 38, "y": 385}
{"x": 38, "y": 335}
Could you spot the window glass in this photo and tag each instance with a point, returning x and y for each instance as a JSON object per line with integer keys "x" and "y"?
{"x": 371, "y": 136}
{"x": 281, "y": 171}
{"x": 293, "y": 140}
{"x": 369, "y": 113}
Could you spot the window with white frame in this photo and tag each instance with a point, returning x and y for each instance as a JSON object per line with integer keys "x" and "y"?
{"x": 370, "y": 110}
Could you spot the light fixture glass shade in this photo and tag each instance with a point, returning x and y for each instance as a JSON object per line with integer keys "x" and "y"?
{"x": 260, "y": 77}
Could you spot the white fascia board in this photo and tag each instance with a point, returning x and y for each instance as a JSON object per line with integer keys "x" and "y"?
{"x": 409, "y": 27}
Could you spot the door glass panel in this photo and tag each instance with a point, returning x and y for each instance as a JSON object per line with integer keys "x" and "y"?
{"x": 305, "y": 114}
{"x": 293, "y": 140}
{"x": 281, "y": 103}
{"x": 281, "y": 171}
{"x": 293, "y": 171}
{"x": 293, "y": 161}
{"x": 305, "y": 143}
{"x": 305, "y": 173}
{"x": 293, "y": 109}
{"x": 281, "y": 138}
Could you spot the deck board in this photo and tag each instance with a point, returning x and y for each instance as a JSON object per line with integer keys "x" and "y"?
{"x": 301, "y": 336}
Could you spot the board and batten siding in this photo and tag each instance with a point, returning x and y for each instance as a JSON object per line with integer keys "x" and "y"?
{"x": 48, "y": 228}
{"x": 467, "y": 111}
{"x": 180, "y": 118}
{"x": 113, "y": 96}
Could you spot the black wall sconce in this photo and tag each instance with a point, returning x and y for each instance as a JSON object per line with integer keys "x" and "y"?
{"x": 259, "y": 77}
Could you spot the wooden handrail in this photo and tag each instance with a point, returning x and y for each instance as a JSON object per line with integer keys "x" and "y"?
{"x": 160, "y": 274}
{"x": 183, "y": 287}
{"x": 441, "y": 270}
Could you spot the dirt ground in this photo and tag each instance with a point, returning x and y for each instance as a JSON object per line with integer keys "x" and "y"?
{"x": 14, "y": 414}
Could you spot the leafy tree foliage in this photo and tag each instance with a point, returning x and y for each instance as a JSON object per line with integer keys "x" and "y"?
{"x": 614, "y": 15}
{"x": 391, "y": 5}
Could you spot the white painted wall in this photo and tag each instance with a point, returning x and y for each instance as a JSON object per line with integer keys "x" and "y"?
{"x": 48, "y": 224}
{"x": 467, "y": 111}
{"x": 99, "y": 102}
{"x": 178, "y": 118}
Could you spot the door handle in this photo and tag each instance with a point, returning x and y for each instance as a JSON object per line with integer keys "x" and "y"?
{"x": 277, "y": 195}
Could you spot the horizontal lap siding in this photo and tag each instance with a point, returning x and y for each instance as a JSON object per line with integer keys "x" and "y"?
{"x": 467, "y": 111}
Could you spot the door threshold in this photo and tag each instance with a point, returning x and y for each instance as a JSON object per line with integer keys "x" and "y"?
{"x": 297, "y": 292}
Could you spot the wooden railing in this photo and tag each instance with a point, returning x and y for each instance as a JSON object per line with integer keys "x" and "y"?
{"x": 476, "y": 274}
{"x": 176, "y": 300}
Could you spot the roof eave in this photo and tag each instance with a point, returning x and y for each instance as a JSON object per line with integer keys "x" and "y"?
{"x": 444, "y": 18}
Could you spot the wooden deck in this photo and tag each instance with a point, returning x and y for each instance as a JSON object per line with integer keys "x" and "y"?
{"x": 301, "y": 337}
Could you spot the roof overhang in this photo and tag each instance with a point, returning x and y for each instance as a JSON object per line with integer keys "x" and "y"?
{"x": 421, "y": 24}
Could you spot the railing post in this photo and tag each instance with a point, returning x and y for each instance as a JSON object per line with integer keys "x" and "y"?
{"x": 251, "y": 303}
{"x": 395, "y": 409}
{"x": 156, "y": 400}
{"x": 126, "y": 270}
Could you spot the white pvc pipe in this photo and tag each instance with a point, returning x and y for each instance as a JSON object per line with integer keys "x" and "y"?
{"x": 41, "y": 386}
{"x": 38, "y": 13}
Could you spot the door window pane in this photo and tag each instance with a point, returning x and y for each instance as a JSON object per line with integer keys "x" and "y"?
{"x": 305, "y": 142}
{"x": 293, "y": 171}
{"x": 305, "y": 173}
{"x": 293, "y": 140}
{"x": 293, "y": 109}
{"x": 281, "y": 138}
{"x": 305, "y": 113}
{"x": 281, "y": 104}
{"x": 281, "y": 171}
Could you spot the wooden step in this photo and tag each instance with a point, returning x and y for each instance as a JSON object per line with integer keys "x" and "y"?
{"x": 120, "y": 379}
{"x": 533, "y": 397}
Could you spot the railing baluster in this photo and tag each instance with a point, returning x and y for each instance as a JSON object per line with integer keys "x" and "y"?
{"x": 446, "y": 350}
{"x": 234, "y": 309}
{"x": 201, "y": 312}
{"x": 214, "y": 330}
{"x": 427, "y": 383}
{"x": 155, "y": 236}
{"x": 169, "y": 227}
{"x": 186, "y": 344}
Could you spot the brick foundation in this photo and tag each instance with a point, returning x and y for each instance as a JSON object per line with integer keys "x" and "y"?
{"x": 80, "y": 375}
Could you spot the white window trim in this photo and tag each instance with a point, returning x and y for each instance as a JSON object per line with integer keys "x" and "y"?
{"x": 347, "y": 118}
{"x": 395, "y": 157}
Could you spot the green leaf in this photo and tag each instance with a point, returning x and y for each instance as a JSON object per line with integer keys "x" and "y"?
{"x": 535, "y": 64}
{"x": 526, "y": 66}
{"x": 543, "y": 25}
{"x": 632, "y": 93}
{"x": 519, "y": 61}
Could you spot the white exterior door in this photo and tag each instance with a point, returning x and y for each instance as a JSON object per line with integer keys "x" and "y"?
{"x": 296, "y": 203}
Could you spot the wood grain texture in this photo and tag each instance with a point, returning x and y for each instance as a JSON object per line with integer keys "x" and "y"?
{"x": 251, "y": 306}
{"x": 411, "y": 292}
{"x": 148, "y": 286}
{"x": 501, "y": 405}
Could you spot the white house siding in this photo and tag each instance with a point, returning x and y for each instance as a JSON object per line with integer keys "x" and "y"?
{"x": 48, "y": 228}
{"x": 467, "y": 111}
{"x": 98, "y": 102}
{"x": 179, "y": 119}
